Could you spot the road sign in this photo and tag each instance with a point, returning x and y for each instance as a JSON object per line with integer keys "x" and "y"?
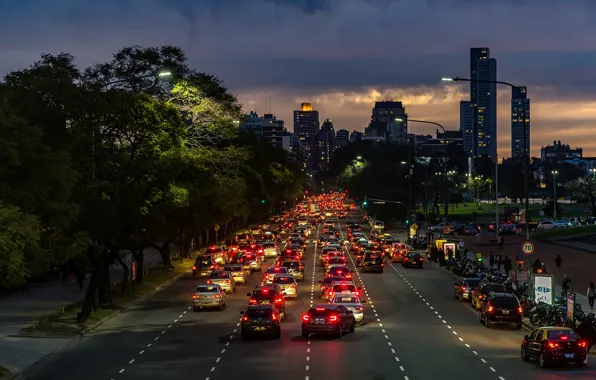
{"x": 527, "y": 247}
{"x": 216, "y": 228}
{"x": 447, "y": 230}
{"x": 378, "y": 202}
{"x": 478, "y": 256}
{"x": 541, "y": 213}
{"x": 414, "y": 226}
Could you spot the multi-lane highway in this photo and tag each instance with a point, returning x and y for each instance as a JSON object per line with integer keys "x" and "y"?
{"x": 414, "y": 330}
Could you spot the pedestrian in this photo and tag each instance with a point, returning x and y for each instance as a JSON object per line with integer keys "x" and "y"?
{"x": 491, "y": 260}
{"x": 566, "y": 285}
{"x": 558, "y": 262}
{"x": 501, "y": 242}
{"x": 591, "y": 295}
{"x": 461, "y": 244}
{"x": 441, "y": 257}
{"x": 537, "y": 265}
{"x": 507, "y": 265}
{"x": 499, "y": 262}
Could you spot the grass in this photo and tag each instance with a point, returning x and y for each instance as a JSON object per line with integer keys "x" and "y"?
{"x": 565, "y": 233}
{"x": 4, "y": 372}
{"x": 63, "y": 323}
{"x": 486, "y": 212}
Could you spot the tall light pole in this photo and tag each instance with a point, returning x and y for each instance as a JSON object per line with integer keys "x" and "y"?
{"x": 524, "y": 127}
{"x": 445, "y": 168}
{"x": 555, "y": 173}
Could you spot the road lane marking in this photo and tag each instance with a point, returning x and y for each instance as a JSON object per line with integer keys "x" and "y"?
{"x": 131, "y": 361}
{"x": 122, "y": 370}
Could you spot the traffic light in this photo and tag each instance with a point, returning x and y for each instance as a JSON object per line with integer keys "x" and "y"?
{"x": 365, "y": 203}
{"x": 305, "y": 191}
{"x": 407, "y": 222}
{"x": 262, "y": 201}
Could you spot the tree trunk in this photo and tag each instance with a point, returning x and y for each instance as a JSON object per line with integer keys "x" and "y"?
{"x": 139, "y": 256}
{"x": 184, "y": 244}
{"x": 103, "y": 290}
{"x": 90, "y": 294}
{"x": 124, "y": 283}
{"x": 207, "y": 237}
{"x": 164, "y": 251}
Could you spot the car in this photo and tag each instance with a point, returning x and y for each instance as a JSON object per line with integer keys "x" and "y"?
{"x": 288, "y": 285}
{"x": 340, "y": 270}
{"x": 463, "y": 288}
{"x": 342, "y": 287}
{"x": 271, "y": 272}
{"x": 327, "y": 283}
{"x": 412, "y": 259}
{"x": 335, "y": 260}
{"x": 260, "y": 320}
{"x": 503, "y": 308}
{"x": 294, "y": 267}
{"x": 270, "y": 294}
{"x": 372, "y": 262}
{"x": 554, "y": 344}
{"x": 481, "y": 292}
{"x": 238, "y": 273}
{"x": 208, "y": 296}
{"x": 328, "y": 319}
{"x": 223, "y": 279}
{"x": 253, "y": 261}
{"x": 203, "y": 267}
{"x": 352, "y": 303}
{"x": 220, "y": 255}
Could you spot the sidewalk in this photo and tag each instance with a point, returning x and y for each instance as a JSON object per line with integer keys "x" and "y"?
{"x": 19, "y": 310}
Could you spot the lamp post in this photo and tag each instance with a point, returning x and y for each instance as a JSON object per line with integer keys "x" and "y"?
{"x": 593, "y": 171}
{"x": 445, "y": 168}
{"x": 555, "y": 173}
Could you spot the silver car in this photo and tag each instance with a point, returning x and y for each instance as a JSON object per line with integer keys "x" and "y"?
{"x": 208, "y": 296}
{"x": 271, "y": 249}
{"x": 224, "y": 279}
{"x": 352, "y": 303}
{"x": 271, "y": 272}
{"x": 238, "y": 273}
{"x": 288, "y": 285}
{"x": 253, "y": 261}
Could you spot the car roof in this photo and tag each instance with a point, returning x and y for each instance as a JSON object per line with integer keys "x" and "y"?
{"x": 278, "y": 275}
{"x": 502, "y": 295}
{"x": 555, "y": 328}
{"x": 324, "y": 306}
{"x": 343, "y": 282}
{"x": 203, "y": 286}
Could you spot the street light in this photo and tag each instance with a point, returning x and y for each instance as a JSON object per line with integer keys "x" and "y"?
{"x": 593, "y": 171}
{"x": 445, "y": 171}
{"x": 359, "y": 158}
{"x": 164, "y": 74}
{"x": 524, "y": 126}
{"x": 555, "y": 173}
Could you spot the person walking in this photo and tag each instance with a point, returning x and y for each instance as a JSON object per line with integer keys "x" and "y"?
{"x": 491, "y": 260}
{"x": 501, "y": 242}
{"x": 499, "y": 262}
{"x": 507, "y": 265}
{"x": 591, "y": 295}
{"x": 558, "y": 262}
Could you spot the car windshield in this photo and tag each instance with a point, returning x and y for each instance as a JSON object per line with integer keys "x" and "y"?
{"x": 283, "y": 280}
{"x": 263, "y": 294}
{"x": 506, "y": 302}
{"x": 213, "y": 250}
{"x": 269, "y": 245}
{"x": 219, "y": 275}
{"x": 291, "y": 265}
{"x": 207, "y": 289}
{"x": 346, "y": 300}
{"x": 234, "y": 268}
{"x": 277, "y": 270}
{"x": 320, "y": 312}
{"x": 344, "y": 288}
{"x": 562, "y": 334}
{"x": 339, "y": 270}
{"x": 258, "y": 313}
{"x": 329, "y": 280}
{"x": 471, "y": 283}
{"x": 204, "y": 262}
{"x": 493, "y": 288}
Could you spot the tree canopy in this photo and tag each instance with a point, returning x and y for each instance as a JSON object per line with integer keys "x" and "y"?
{"x": 138, "y": 151}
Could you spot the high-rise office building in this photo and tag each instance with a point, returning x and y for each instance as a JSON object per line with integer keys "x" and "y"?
{"x": 342, "y": 138}
{"x": 484, "y": 98}
{"x": 326, "y": 145}
{"x": 306, "y": 128}
{"x": 519, "y": 102}
{"x": 466, "y": 126}
{"x": 267, "y": 127}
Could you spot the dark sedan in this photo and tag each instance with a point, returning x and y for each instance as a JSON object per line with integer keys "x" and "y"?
{"x": 412, "y": 260}
{"x": 554, "y": 344}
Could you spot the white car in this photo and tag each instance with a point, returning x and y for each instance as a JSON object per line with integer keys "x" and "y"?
{"x": 343, "y": 288}
{"x": 352, "y": 303}
{"x": 270, "y": 249}
{"x": 288, "y": 285}
{"x": 546, "y": 225}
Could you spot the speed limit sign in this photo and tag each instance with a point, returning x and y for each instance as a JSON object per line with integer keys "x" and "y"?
{"x": 527, "y": 247}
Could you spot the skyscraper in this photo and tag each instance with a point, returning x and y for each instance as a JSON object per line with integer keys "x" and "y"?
{"x": 519, "y": 95}
{"x": 466, "y": 126}
{"x": 484, "y": 98}
{"x": 343, "y": 138}
{"x": 326, "y": 146}
{"x": 306, "y": 127}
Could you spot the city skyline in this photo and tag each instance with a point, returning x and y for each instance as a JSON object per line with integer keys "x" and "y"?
{"x": 341, "y": 73}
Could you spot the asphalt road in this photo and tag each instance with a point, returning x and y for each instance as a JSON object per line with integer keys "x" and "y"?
{"x": 414, "y": 330}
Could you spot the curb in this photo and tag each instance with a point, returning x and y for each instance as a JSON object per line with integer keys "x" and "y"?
{"x": 24, "y": 372}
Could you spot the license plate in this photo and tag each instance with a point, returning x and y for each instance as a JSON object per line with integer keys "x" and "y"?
{"x": 505, "y": 312}
{"x": 569, "y": 356}
{"x": 265, "y": 302}
{"x": 320, "y": 321}
{"x": 373, "y": 262}
{"x": 257, "y": 328}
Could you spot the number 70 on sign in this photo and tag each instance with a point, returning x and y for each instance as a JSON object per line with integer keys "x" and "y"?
{"x": 527, "y": 247}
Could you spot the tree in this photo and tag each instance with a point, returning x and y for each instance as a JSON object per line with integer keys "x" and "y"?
{"x": 583, "y": 190}
{"x": 478, "y": 185}
{"x": 19, "y": 237}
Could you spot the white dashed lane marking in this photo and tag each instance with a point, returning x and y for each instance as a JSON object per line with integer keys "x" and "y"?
{"x": 439, "y": 316}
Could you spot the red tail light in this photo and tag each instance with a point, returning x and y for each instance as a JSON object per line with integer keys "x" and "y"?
{"x": 260, "y": 251}
{"x": 212, "y": 267}
{"x": 278, "y": 300}
{"x": 520, "y": 310}
{"x": 490, "y": 309}
{"x": 244, "y": 319}
{"x": 194, "y": 297}
{"x": 553, "y": 345}
{"x": 294, "y": 285}
{"x": 359, "y": 308}
{"x": 563, "y": 338}
{"x": 305, "y": 318}
{"x": 582, "y": 344}
{"x": 209, "y": 282}
{"x": 217, "y": 296}
{"x": 348, "y": 276}
{"x": 227, "y": 281}
{"x": 333, "y": 318}
{"x": 357, "y": 293}
{"x": 194, "y": 267}
{"x": 273, "y": 317}
{"x": 330, "y": 294}
{"x": 252, "y": 301}
{"x": 420, "y": 259}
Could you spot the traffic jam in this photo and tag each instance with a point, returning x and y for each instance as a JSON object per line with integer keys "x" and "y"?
{"x": 275, "y": 254}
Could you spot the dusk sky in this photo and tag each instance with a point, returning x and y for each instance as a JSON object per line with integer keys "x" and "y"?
{"x": 342, "y": 55}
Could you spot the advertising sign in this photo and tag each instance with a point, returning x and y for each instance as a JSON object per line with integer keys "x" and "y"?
{"x": 449, "y": 246}
{"x": 514, "y": 278}
{"x": 571, "y": 306}
{"x": 544, "y": 288}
